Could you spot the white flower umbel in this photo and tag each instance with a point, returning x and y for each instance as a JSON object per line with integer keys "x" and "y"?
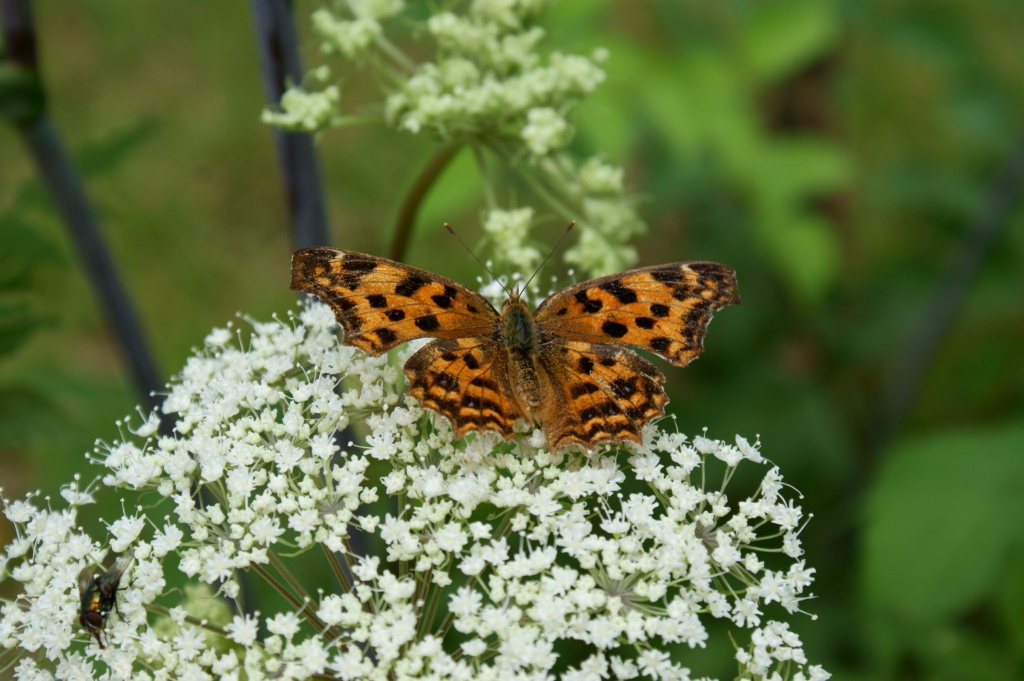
{"x": 406, "y": 554}
{"x": 480, "y": 78}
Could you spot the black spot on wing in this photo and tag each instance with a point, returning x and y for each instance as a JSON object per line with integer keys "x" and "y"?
{"x": 580, "y": 389}
{"x": 623, "y": 294}
{"x": 377, "y": 301}
{"x": 344, "y": 303}
{"x": 644, "y": 322}
{"x": 353, "y": 272}
{"x": 586, "y": 365}
{"x": 427, "y": 323}
{"x": 623, "y": 387}
{"x": 445, "y": 299}
{"x": 395, "y": 315}
{"x": 386, "y": 336}
{"x": 589, "y": 306}
{"x": 483, "y": 382}
{"x": 481, "y": 404}
{"x": 410, "y": 285}
{"x": 471, "y": 362}
{"x": 659, "y": 310}
{"x": 660, "y": 344}
{"x": 446, "y": 381}
{"x": 363, "y": 266}
{"x": 614, "y": 329}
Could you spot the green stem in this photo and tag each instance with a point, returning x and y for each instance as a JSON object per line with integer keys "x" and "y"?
{"x": 486, "y": 177}
{"x": 338, "y": 570}
{"x": 558, "y": 204}
{"x": 414, "y": 199}
{"x": 301, "y": 605}
{"x": 396, "y": 55}
{"x": 203, "y": 624}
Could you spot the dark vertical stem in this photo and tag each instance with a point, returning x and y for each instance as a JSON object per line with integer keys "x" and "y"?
{"x": 69, "y": 198}
{"x": 277, "y": 42}
{"x": 924, "y": 341}
{"x": 19, "y": 33}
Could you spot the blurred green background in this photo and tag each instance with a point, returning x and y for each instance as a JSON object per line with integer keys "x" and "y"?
{"x": 842, "y": 156}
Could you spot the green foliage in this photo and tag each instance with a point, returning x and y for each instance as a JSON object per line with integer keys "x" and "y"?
{"x": 22, "y": 409}
{"x": 940, "y": 522}
{"x": 21, "y": 97}
{"x": 778, "y": 38}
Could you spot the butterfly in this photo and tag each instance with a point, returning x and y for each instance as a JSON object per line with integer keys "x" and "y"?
{"x": 98, "y": 595}
{"x": 561, "y": 365}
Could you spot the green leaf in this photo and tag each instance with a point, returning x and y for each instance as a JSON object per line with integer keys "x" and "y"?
{"x": 25, "y": 414}
{"x": 781, "y": 36}
{"x": 697, "y": 103}
{"x": 801, "y": 167}
{"x": 17, "y": 324}
{"x": 1011, "y": 598}
{"x": 941, "y": 520}
{"x": 804, "y": 248}
{"x": 109, "y": 153}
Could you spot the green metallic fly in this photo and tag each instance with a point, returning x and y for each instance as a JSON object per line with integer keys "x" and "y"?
{"x": 99, "y": 595}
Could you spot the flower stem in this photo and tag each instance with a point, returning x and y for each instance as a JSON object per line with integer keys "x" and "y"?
{"x": 414, "y": 199}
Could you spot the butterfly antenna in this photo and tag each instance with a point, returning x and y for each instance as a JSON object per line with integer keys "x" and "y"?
{"x": 550, "y": 253}
{"x": 470, "y": 251}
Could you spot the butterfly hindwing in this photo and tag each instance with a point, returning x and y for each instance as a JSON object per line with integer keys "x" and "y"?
{"x": 603, "y": 392}
{"x": 664, "y": 309}
{"x": 381, "y": 303}
{"x": 467, "y": 381}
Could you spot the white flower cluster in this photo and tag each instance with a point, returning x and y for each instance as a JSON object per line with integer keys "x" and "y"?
{"x": 305, "y": 109}
{"x": 497, "y": 560}
{"x": 491, "y": 79}
{"x": 509, "y": 230}
{"x": 352, "y": 37}
{"x": 492, "y": 87}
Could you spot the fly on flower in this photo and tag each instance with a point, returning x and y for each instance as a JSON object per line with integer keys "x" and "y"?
{"x": 99, "y": 595}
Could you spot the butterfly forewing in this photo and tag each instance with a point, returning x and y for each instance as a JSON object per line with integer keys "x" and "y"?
{"x": 381, "y": 303}
{"x": 664, "y": 309}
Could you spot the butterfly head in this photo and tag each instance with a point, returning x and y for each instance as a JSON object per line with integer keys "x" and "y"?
{"x": 520, "y": 329}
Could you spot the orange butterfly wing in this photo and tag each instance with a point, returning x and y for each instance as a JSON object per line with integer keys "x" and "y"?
{"x": 467, "y": 381}
{"x": 597, "y": 393}
{"x": 665, "y": 308}
{"x": 607, "y": 393}
{"x": 381, "y": 303}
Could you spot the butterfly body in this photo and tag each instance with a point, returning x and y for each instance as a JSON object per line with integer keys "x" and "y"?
{"x": 521, "y": 341}
{"x": 561, "y": 365}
